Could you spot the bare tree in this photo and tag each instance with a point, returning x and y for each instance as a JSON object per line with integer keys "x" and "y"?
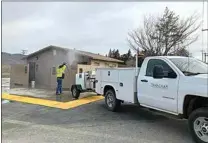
{"x": 24, "y": 52}
{"x": 165, "y": 35}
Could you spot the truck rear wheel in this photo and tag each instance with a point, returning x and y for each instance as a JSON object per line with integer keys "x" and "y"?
{"x": 110, "y": 100}
{"x": 198, "y": 125}
{"x": 75, "y": 92}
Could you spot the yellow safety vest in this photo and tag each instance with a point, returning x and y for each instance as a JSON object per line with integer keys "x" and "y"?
{"x": 60, "y": 71}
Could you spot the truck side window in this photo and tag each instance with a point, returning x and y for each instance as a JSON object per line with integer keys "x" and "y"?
{"x": 152, "y": 62}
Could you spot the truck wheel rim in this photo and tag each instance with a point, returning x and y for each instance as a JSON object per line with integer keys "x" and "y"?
{"x": 74, "y": 91}
{"x": 201, "y": 128}
{"x": 110, "y": 100}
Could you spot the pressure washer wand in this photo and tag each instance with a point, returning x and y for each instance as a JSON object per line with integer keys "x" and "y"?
{"x": 67, "y": 67}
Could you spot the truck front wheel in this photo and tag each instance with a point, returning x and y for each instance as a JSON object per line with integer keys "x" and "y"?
{"x": 198, "y": 125}
{"x": 110, "y": 100}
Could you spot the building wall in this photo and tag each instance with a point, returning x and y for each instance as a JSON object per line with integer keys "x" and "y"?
{"x": 85, "y": 68}
{"x": 44, "y": 62}
{"x": 95, "y": 64}
{"x": 72, "y": 60}
{"x": 5, "y": 71}
{"x": 48, "y": 61}
{"x": 19, "y": 76}
{"x": 103, "y": 63}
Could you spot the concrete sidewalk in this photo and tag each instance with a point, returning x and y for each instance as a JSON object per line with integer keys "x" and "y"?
{"x": 38, "y": 93}
{"x": 44, "y": 97}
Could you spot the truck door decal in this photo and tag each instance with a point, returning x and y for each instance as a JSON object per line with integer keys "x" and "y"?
{"x": 155, "y": 85}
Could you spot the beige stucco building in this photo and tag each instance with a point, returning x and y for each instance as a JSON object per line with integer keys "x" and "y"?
{"x": 95, "y": 63}
{"x": 42, "y": 66}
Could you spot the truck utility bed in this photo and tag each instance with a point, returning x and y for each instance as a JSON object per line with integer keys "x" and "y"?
{"x": 121, "y": 79}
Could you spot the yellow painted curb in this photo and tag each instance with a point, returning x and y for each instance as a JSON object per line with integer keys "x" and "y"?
{"x": 80, "y": 102}
{"x": 50, "y": 103}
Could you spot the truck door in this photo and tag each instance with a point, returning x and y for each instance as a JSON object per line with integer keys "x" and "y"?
{"x": 158, "y": 93}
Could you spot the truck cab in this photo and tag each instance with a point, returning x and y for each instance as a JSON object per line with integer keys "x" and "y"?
{"x": 172, "y": 84}
{"x": 180, "y": 78}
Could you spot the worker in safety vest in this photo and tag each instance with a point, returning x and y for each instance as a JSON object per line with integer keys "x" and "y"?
{"x": 60, "y": 73}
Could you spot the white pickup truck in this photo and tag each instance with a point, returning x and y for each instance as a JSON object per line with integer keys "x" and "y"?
{"x": 171, "y": 84}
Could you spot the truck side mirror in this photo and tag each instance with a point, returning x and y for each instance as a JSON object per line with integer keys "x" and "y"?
{"x": 172, "y": 74}
{"x": 158, "y": 72}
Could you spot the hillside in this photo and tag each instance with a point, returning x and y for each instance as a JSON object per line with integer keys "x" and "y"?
{"x": 8, "y": 59}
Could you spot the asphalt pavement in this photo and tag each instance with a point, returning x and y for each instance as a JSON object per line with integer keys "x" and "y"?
{"x": 89, "y": 123}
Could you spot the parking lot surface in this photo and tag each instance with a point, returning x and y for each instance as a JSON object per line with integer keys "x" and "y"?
{"x": 89, "y": 123}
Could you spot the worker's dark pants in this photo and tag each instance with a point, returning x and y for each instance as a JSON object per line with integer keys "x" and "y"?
{"x": 59, "y": 86}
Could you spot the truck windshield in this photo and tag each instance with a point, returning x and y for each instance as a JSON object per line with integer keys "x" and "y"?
{"x": 190, "y": 66}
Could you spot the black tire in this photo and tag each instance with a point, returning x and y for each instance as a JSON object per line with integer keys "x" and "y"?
{"x": 115, "y": 102}
{"x": 193, "y": 118}
{"x": 75, "y": 92}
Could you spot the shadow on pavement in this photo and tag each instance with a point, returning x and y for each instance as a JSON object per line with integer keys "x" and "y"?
{"x": 161, "y": 120}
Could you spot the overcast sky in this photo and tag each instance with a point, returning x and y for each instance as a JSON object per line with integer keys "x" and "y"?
{"x": 89, "y": 26}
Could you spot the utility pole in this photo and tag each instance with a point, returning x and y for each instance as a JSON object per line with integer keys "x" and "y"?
{"x": 204, "y": 54}
{"x": 206, "y": 57}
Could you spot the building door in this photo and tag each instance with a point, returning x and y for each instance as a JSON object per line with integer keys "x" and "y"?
{"x": 31, "y": 71}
